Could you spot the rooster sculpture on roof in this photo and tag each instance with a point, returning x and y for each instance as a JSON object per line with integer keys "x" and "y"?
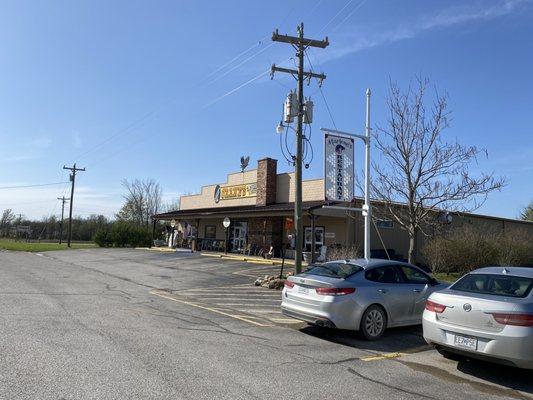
{"x": 244, "y": 162}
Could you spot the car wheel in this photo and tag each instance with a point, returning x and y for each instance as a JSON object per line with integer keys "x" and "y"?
{"x": 450, "y": 355}
{"x": 373, "y": 323}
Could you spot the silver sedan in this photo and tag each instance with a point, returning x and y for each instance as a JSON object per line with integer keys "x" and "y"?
{"x": 364, "y": 295}
{"x": 487, "y": 314}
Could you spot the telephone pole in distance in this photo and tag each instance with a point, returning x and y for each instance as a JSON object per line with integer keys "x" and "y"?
{"x": 63, "y": 201}
{"x": 73, "y": 180}
{"x": 300, "y": 44}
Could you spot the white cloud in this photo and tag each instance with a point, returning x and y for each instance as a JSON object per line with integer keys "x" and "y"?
{"x": 356, "y": 41}
{"x": 40, "y": 142}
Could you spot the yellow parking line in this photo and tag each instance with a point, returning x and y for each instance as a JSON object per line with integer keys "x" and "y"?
{"x": 239, "y": 317}
{"x": 387, "y": 356}
{"x": 286, "y": 320}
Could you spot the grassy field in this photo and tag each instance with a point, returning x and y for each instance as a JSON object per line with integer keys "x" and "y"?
{"x": 13, "y": 245}
{"x": 447, "y": 277}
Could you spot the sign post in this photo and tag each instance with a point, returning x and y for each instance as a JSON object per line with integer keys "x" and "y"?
{"x": 226, "y": 223}
{"x": 339, "y": 185}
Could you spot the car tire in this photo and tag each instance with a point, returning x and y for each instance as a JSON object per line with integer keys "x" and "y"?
{"x": 450, "y": 355}
{"x": 373, "y": 323}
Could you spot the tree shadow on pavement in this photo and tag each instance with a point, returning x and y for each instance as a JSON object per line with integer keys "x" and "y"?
{"x": 394, "y": 340}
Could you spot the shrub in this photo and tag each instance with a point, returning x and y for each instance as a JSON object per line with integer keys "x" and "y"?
{"x": 343, "y": 253}
{"x": 467, "y": 249}
{"x": 123, "y": 234}
{"x": 102, "y": 238}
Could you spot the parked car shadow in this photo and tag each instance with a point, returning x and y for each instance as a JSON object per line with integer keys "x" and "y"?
{"x": 510, "y": 377}
{"x": 394, "y": 339}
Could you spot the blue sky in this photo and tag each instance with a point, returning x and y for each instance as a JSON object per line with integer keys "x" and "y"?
{"x": 135, "y": 89}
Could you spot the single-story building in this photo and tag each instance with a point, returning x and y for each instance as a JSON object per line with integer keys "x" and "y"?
{"x": 260, "y": 206}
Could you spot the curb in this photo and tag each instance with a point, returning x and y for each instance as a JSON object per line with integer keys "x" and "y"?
{"x": 250, "y": 259}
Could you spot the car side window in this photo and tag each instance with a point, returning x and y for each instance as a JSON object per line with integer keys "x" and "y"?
{"x": 388, "y": 274}
{"x": 412, "y": 275}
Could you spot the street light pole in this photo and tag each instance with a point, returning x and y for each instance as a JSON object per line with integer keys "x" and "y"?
{"x": 367, "y": 211}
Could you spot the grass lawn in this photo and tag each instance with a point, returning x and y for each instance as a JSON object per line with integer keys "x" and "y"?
{"x": 447, "y": 277}
{"x": 7, "y": 244}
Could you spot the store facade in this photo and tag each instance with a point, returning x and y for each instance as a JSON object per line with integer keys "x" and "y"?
{"x": 259, "y": 204}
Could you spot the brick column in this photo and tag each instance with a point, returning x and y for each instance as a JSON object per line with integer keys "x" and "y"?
{"x": 266, "y": 181}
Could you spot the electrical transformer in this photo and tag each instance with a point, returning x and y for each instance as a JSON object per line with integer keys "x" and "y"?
{"x": 291, "y": 107}
{"x": 308, "y": 112}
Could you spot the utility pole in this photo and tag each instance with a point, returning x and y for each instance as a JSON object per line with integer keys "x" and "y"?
{"x": 63, "y": 201}
{"x": 73, "y": 180}
{"x": 300, "y": 44}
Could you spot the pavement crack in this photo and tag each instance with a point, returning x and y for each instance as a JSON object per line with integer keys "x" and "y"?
{"x": 393, "y": 387}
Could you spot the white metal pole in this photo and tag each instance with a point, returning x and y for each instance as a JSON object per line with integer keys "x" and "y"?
{"x": 366, "y": 207}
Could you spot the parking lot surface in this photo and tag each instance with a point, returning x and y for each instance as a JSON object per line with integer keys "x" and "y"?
{"x": 132, "y": 324}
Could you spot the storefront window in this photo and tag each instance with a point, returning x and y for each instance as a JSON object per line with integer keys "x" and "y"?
{"x": 210, "y": 232}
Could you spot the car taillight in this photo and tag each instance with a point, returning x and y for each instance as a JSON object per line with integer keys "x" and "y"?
{"x": 514, "y": 319}
{"x": 334, "y": 291}
{"x": 435, "y": 307}
{"x": 289, "y": 284}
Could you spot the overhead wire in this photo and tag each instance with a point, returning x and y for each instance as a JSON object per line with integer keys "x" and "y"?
{"x": 32, "y": 186}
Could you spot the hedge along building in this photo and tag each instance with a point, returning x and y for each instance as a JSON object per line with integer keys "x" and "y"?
{"x": 260, "y": 205}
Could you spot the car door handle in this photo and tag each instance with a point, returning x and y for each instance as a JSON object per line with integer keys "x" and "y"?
{"x": 382, "y": 290}
{"x": 417, "y": 290}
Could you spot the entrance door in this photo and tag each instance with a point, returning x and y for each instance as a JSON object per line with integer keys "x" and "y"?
{"x": 240, "y": 229}
{"x": 319, "y": 238}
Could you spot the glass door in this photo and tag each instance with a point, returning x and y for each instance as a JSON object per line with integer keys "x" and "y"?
{"x": 240, "y": 229}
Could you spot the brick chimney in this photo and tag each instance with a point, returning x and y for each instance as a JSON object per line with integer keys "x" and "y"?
{"x": 266, "y": 181}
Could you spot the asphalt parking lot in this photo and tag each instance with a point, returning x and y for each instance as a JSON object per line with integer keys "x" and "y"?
{"x": 111, "y": 323}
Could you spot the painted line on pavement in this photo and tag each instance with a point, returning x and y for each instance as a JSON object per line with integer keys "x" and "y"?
{"x": 388, "y": 356}
{"x": 238, "y": 317}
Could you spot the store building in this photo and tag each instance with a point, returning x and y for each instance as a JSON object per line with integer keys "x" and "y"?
{"x": 260, "y": 205}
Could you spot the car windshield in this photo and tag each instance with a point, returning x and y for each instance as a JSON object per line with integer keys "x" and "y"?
{"x": 499, "y": 285}
{"x": 334, "y": 269}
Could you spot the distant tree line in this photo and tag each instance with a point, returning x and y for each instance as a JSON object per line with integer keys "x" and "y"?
{"x": 49, "y": 228}
{"x": 132, "y": 225}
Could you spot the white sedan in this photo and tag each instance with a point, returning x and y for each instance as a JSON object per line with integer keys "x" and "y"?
{"x": 487, "y": 314}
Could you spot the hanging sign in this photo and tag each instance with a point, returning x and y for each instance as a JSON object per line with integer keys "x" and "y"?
{"x": 338, "y": 167}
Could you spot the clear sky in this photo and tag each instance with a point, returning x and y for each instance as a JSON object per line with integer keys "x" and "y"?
{"x": 145, "y": 89}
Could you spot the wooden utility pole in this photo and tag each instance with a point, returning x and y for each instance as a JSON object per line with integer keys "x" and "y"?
{"x": 73, "y": 180}
{"x": 300, "y": 44}
{"x": 63, "y": 201}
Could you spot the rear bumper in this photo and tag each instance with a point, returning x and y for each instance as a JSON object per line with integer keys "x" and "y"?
{"x": 309, "y": 318}
{"x": 341, "y": 313}
{"x": 511, "y": 346}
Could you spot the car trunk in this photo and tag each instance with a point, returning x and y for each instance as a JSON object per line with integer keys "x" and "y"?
{"x": 472, "y": 310}
{"x": 304, "y": 290}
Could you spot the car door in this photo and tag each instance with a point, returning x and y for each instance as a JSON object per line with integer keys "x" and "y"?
{"x": 387, "y": 281}
{"x": 418, "y": 284}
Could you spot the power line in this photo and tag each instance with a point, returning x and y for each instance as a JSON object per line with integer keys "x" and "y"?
{"x": 322, "y": 94}
{"x": 30, "y": 186}
{"x": 335, "y": 16}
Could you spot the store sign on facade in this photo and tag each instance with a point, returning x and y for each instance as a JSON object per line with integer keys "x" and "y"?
{"x": 235, "y": 191}
{"x": 338, "y": 168}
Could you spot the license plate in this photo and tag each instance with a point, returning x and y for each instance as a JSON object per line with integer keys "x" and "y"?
{"x": 466, "y": 342}
{"x": 303, "y": 290}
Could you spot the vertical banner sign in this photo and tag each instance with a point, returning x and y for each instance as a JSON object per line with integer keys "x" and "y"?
{"x": 338, "y": 167}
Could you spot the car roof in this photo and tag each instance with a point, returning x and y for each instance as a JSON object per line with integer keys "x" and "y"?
{"x": 516, "y": 271}
{"x": 371, "y": 263}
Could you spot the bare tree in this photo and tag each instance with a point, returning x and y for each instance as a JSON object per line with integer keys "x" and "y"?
{"x": 142, "y": 200}
{"x": 527, "y": 212}
{"x": 419, "y": 169}
{"x": 6, "y": 220}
